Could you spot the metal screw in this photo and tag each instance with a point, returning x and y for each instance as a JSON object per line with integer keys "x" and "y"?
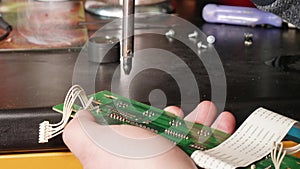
{"x": 210, "y": 39}
{"x": 193, "y": 35}
{"x": 248, "y": 39}
{"x": 170, "y": 39}
{"x": 170, "y": 33}
{"x": 200, "y": 45}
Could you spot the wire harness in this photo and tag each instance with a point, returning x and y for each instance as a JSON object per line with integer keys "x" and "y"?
{"x": 47, "y": 130}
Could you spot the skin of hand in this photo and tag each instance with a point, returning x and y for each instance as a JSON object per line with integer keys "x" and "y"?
{"x": 92, "y": 156}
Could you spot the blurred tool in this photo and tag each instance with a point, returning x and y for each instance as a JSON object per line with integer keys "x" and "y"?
{"x": 288, "y": 10}
{"x": 286, "y": 63}
{"x": 108, "y": 8}
{"x": 6, "y": 27}
{"x": 127, "y": 34}
{"x": 239, "y": 16}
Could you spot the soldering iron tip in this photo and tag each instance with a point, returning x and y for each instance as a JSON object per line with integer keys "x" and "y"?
{"x": 127, "y": 65}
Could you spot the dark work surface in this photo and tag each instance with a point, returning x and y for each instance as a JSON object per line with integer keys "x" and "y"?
{"x": 19, "y": 130}
{"x": 263, "y": 74}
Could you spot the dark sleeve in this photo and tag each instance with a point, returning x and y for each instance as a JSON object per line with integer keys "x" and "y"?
{"x": 287, "y": 9}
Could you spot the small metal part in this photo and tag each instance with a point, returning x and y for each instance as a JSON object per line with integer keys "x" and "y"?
{"x": 175, "y": 134}
{"x": 117, "y": 117}
{"x": 203, "y": 132}
{"x": 126, "y": 114}
{"x": 200, "y": 45}
{"x": 248, "y": 39}
{"x": 128, "y": 34}
{"x": 110, "y": 97}
{"x": 170, "y": 40}
{"x": 211, "y": 39}
{"x": 104, "y": 49}
{"x": 198, "y": 147}
{"x": 193, "y": 35}
{"x": 175, "y": 123}
{"x": 97, "y": 102}
{"x": 148, "y": 113}
{"x": 122, "y": 104}
{"x": 170, "y": 33}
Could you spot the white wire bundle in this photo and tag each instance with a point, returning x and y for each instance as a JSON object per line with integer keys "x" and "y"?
{"x": 277, "y": 155}
{"x": 47, "y": 130}
{"x": 293, "y": 150}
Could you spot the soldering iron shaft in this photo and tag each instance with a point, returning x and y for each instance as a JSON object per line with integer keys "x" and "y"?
{"x": 127, "y": 34}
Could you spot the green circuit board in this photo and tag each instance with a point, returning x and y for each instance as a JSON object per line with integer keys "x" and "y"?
{"x": 112, "y": 109}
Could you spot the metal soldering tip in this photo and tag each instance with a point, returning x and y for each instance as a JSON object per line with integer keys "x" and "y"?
{"x": 127, "y": 65}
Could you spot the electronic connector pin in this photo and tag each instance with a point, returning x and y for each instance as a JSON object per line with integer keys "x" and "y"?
{"x": 44, "y": 132}
{"x": 47, "y": 130}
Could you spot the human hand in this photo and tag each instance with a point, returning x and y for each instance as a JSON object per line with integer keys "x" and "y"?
{"x": 92, "y": 156}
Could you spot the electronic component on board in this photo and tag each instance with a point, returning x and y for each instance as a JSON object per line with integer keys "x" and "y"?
{"x": 111, "y": 109}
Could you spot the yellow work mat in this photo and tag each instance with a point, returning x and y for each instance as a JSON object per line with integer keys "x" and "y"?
{"x": 53, "y": 160}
